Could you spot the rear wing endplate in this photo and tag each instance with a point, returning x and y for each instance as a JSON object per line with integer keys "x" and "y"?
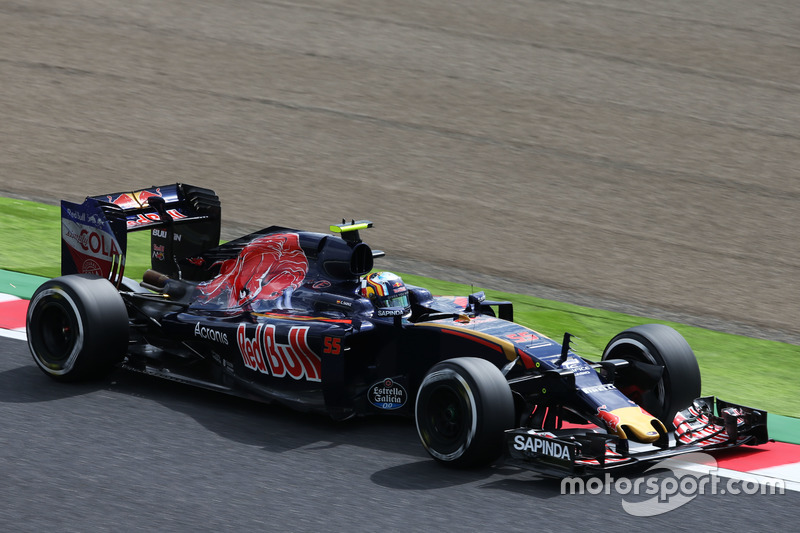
{"x": 94, "y": 233}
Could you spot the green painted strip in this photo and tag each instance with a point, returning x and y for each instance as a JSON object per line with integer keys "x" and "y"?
{"x": 784, "y": 428}
{"x": 19, "y": 284}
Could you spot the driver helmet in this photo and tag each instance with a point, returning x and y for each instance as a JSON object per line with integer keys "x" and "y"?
{"x": 386, "y": 289}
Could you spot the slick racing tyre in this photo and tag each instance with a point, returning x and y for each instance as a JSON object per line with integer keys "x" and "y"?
{"x": 663, "y": 347}
{"x": 77, "y": 327}
{"x": 463, "y": 407}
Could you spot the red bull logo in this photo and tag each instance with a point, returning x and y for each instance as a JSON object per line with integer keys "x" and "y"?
{"x": 610, "y": 419}
{"x": 266, "y": 269}
{"x": 124, "y": 200}
{"x": 144, "y": 196}
{"x": 265, "y": 355}
{"x": 133, "y": 200}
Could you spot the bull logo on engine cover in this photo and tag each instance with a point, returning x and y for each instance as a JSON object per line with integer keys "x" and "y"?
{"x": 268, "y": 269}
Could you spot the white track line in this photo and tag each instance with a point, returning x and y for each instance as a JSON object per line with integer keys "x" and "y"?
{"x": 18, "y": 334}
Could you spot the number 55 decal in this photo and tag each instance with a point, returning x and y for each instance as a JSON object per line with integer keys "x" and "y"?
{"x": 332, "y": 345}
{"x": 522, "y": 336}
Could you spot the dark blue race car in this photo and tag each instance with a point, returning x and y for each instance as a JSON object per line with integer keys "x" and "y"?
{"x": 301, "y": 318}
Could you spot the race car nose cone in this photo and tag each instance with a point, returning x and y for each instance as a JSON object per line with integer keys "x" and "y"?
{"x": 638, "y": 425}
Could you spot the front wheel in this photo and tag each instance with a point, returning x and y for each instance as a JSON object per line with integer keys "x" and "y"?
{"x": 77, "y": 327}
{"x": 658, "y": 346}
{"x": 463, "y": 408}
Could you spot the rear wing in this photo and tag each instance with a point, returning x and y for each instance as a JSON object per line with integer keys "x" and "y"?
{"x": 183, "y": 222}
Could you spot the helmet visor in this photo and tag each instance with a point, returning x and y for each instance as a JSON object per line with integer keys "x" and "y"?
{"x": 395, "y": 300}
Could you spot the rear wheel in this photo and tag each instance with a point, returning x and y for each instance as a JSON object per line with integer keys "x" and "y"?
{"x": 77, "y": 327}
{"x": 463, "y": 408}
{"x": 660, "y": 347}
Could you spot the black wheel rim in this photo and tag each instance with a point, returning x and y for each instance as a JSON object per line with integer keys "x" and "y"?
{"x": 448, "y": 419}
{"x": 56, "y": 333}
{"x": 653, "y": 401}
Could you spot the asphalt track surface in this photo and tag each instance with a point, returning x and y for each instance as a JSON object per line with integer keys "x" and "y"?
{"x": 133, "y": 453}
{"x": 637, "y": 156}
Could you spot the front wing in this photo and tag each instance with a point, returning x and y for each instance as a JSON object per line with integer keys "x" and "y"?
{"x": 708, "y": 424}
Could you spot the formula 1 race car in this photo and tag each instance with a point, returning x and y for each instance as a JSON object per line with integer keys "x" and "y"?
{"x": 301, "y": 318}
